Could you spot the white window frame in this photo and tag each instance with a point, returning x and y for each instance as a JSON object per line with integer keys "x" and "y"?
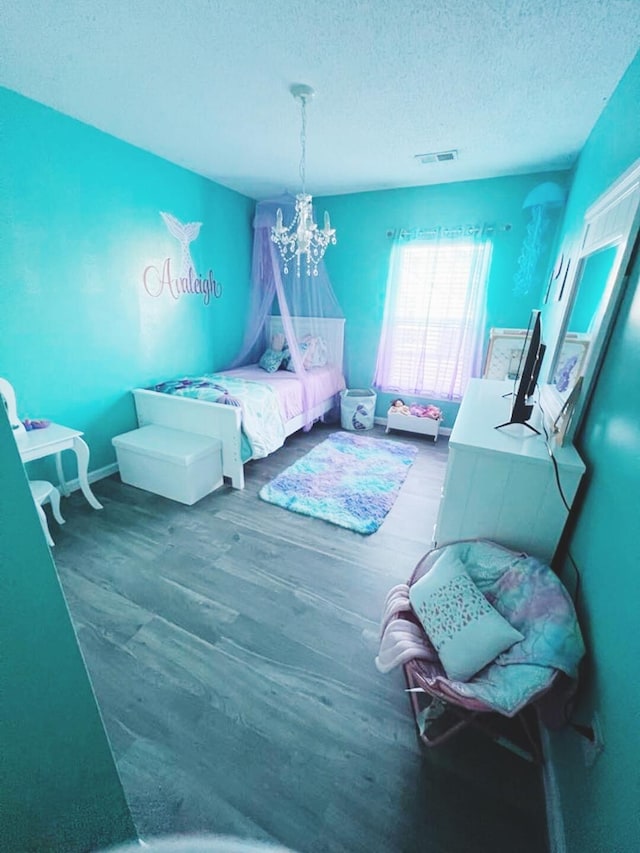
{"x": 435, "y": 316}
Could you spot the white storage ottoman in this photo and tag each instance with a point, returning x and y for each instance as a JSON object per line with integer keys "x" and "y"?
{"x": 178, "y": 465}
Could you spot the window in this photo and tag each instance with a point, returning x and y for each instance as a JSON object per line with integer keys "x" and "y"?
{"x": 432, "y": 333}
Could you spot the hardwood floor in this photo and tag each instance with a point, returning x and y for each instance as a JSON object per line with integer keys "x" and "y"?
{"x": 231, "y": 649}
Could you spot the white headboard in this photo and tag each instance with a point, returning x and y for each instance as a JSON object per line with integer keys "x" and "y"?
{"x": 330, "y": 328}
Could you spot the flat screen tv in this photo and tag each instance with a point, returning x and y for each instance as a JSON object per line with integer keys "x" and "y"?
{"x": 530, "y": 361}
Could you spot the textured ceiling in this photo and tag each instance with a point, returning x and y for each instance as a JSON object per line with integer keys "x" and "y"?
{"x": 514, "y": 85}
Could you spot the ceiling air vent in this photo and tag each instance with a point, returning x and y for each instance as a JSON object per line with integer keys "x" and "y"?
{"x": 438, "y": 156}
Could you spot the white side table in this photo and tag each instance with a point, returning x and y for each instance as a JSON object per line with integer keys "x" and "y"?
{"x": 51, "y": 441}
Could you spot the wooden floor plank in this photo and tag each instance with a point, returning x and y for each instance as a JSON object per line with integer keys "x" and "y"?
{"x": 231, "y": 646}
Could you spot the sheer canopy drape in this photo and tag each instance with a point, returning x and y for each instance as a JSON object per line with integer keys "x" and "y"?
{"x": 434, "y": 317}
{"x": 274, "y": 292}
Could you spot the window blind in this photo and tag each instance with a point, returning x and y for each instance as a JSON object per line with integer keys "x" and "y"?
{"x": 434, "y": 314}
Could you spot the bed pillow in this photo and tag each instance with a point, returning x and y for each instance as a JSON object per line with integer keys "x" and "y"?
{"x": 465, "y": 630}
{"x": 288, "y": 361}
{"x": 317, "y": 355}
{"x": 278, "y": 341}
{"x": 286, "y": 356}
{"x": 271, "y": 359}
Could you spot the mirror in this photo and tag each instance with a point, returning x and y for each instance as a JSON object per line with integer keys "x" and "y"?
{"x": 590, "y": 304}
{"x": 592, "y": 278}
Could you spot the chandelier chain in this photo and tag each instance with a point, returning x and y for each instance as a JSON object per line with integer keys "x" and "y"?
{"x": 302, "y": 237}
{"x": 303, "y": 145}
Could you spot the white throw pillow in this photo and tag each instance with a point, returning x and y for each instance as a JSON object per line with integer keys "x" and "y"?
{"x": 288, "y": 361}
{"x": 277, "y": 341}
{"x": 465, "y": 630}
{"x": 317, "y": 354}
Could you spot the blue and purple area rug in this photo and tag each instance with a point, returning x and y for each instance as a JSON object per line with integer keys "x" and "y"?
{"x": 349, "y": 479}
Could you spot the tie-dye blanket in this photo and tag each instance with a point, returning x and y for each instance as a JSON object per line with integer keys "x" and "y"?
{"x": 532, "y": 599}
{"x": 261, "y": 418}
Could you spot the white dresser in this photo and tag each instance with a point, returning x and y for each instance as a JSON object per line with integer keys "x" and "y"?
{"x": 500, "y": 484}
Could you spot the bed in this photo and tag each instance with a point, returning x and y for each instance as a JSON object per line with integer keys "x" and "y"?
{"x": 225, "y": 422}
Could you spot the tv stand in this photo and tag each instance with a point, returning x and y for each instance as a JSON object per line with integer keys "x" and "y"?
{"x": 522, "y": 423}
{"x": 500, "y": 485}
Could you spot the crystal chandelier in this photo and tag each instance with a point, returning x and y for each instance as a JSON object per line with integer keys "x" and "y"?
{"x": 302, "y": 236}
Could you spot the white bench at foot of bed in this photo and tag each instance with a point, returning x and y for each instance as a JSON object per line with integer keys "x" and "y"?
{"x": 211, "y": 419}
{"x": 196, "y": 416}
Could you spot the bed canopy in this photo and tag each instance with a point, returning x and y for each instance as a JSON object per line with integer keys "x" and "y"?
{"x": 289, "y": 295}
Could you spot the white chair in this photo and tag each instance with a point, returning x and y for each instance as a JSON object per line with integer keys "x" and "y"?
{"x": 8, "y": 399}
{"x": 43, "y": 491}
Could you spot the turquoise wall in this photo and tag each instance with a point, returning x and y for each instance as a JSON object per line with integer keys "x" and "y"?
{"x": 79, "y": 223}
{"x": 600, "y": 804}
{"x": 59, "y": 788}
{"x": 358, "y": 263}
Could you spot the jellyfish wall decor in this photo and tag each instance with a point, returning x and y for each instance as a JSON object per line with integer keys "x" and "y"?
{"x": 540, "y": 202}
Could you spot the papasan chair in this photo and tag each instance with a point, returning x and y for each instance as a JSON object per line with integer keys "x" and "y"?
{"x": 483, "y": 634}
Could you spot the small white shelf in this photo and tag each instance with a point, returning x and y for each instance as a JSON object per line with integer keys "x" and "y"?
{"x": 410, "y": 423}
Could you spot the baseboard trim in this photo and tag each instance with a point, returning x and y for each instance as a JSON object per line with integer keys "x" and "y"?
{"x": 93, "y": 476}
{"x": 555, "y": 822}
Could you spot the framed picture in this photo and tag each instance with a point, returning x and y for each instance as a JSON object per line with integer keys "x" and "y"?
{"x": 564, "y": 280}
{"x": 554, "y": 275}
{"x": 570, "y": 362}
{"x": 504, "y": 353}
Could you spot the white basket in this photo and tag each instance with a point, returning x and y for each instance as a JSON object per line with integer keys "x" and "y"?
{"x": 357, "y": 408}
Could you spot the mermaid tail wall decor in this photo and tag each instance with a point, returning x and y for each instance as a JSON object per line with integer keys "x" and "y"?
{"x": 185, "y": 233}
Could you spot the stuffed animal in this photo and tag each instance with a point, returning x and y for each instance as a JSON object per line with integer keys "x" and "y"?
{"x": 398, "y": 407}
{"x": 429, "y": 411}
